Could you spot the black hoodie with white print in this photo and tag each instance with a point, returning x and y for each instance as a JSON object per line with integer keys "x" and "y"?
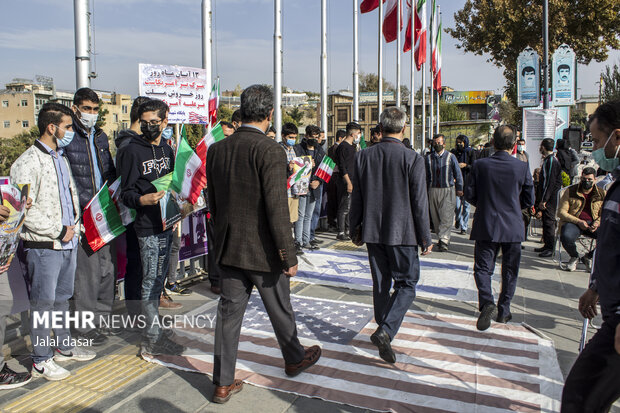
{"x": 139, "y": 163}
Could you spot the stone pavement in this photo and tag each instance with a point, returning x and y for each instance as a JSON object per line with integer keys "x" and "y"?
{"x": 119, "y": 381}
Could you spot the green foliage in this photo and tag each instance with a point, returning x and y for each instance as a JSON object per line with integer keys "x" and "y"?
{"x": 578, "y": 117}
{"x": 296, "y": 115}
{"x": 286, "y": 118}
{"x": 502, "y": 29}
{"x": 369, "y": 82}
{"x": 509, "y": 113}
{"x": 451, "y": 112}
{"x": 224, "y": 113}
{"x": 103, "y": 112}
{"x": 238, "y": 90}
{"x": 12, "y": 148}
{"x": 194, "y": 134}
{"x": 611, "y": 83}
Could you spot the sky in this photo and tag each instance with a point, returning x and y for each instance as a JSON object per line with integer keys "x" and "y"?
{"x": 39, "y": 40}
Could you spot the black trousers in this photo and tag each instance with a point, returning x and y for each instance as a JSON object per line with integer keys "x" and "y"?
{"x": 593, "y": 383}
{"x": 332, "y": 200}
{"x": 133, "y": 273}
{"x": 485, "y": 253}
{"x": 275, "y": 291}
{"x": 548, "y": 224}
{"x": 526, "y": 220}
{"x": 214, "y": 276}
{"x": 344, "y": 204}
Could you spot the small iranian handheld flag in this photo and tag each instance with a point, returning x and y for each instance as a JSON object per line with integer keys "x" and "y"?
{"x": 296, "y": 176}
{"x": 326, "y": 169}
{"x": 189, "y": 175}
{"x": 214, "y": 101}
{"x": 128, "y": 215}
{"x": 215, "y": 135}
{"x": 102, "y": 220}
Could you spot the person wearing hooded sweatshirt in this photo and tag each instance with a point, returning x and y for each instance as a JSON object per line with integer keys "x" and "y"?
{"x": 466, "y": 156}
{"x": 143, "y": 160}
{"x": 91, "y": 166}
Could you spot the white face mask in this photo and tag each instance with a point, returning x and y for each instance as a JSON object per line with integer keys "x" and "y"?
{"x": 357, "y": 139}
{"x": 89, "y": 119}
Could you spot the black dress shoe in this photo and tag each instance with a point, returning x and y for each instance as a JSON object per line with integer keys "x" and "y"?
{"x": 503, "y": 319}
{"x": 442, "y": 246}
{"x": 541, "y": 249}
{"x": 488, "y": 313}
{"x": 299, "y": 250}
{"x": 95, "y": 337}
{"x": 546, "y": 253}
{"x": 381, "y": 339}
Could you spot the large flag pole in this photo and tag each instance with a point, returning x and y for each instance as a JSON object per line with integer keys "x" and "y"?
{"x": 277, "y": 69}
{"x": 423, "y": 106}
{"x": 82, "y": 43}
{"x": 398, "y": 7}
{"x": 412, "y": 95}
{"x": 380, "y": 62}
{"x": 438, "y": 37}
{"x": 356, "y": 79}
{"x": 431, "y": 126}
{"x": 206, "y": 45}
{"x": 324, "y": 65}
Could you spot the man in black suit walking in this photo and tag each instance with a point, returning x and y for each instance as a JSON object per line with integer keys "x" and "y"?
{"x": 389, "y": 204}
{"x": 499, "y": 186}
{"x": 253, "y": 245}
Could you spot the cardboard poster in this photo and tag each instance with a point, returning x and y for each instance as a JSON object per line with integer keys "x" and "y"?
{"x": 301, "y": 187}
{"x": 194, "y": 236}
{"x": 563, "y": 76}
{"x": 14, "y": 197}
{"x": 528, "y": 78}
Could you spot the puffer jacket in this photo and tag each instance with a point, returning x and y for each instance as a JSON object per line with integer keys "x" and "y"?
{"x": 572, "y": 203}
{"x": 43, "y": 222}
{"x": 79, "y": 156}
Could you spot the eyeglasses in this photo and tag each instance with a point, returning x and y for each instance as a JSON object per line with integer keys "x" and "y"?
{"x": 151, "y": 123}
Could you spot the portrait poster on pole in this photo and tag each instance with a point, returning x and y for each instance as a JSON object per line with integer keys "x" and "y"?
{"x": 538, "y": 124}
{"x": 181, "y": 88}
{"x": 563, "y": 76}
{"x": 528, "y": 78}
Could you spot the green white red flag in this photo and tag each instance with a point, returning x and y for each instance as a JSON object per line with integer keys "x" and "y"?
{"x": 296, "y": 176}
{"x": 101, "y": 220}
{"x": 419, "y": 34}
{"x": 189, "y": 176}
{"x": 215, "y": 135}
{"x": 128, "y": 215}
{"x": 214, "y": 101}
{"x": 436, "y": 46}
{"x": 326, "y": 169}
{"x": 437, "y": 79}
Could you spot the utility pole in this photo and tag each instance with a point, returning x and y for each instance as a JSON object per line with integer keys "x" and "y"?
{"x": 380, "y": 62}
{"x": 206, "y": 43}
{"x": 398, "y": 53}
{"x": 545, "y": 54}
{"x": 82, "y": 43}
{"x": 356, "y": 76}
{"x": 277, "y": 69}
{"x": 324, "y": 66}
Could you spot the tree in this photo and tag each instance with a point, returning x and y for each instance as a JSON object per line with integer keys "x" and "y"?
{"x": 194, "y": 134}
{"x": 502, "y": 29}
{"x": 12, "y": 148}
{"x": 579, "y": 118}
{"x": 611, "y": 83}
{"x": 297, "y": 115}
{"x": 224, "y": 113}
{"x": 238, "y": 90}
{"x": 103, "y": 112}
{"x": 509, "y": 113}
{"x": 369, "y": 82}
{"x": 451, "y": 112}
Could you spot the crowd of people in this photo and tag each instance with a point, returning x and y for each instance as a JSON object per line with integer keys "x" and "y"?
{"x": 387, "y": 196}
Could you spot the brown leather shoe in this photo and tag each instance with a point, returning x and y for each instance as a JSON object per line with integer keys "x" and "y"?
{"x": 313, "y": 354}
{"x": 167, "y": 303}
{"x": 223, "y": 393}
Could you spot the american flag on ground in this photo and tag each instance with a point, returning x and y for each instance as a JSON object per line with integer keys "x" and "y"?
{"x": 195, "y": 118}
{"x": 443, "y": 363}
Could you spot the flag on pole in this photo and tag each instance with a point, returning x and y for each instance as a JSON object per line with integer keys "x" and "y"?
{"x": 326, "y": 169}
{"x": 128, "y": 215}
{"x": 420, "y": 31}
{"x": 434, "y": 27}
{"x": 102, "y": 220}
{"x": 407, "y": 44}
{"x": 216, "y": 134}
{"x": 214, "y": 101}
{"x": 189, "y": 175}
{"x": 369, "y": 5}
{"x": 437, "y": 58}
{"x": 390, "y": 21}
{"x": 296, "y": 176}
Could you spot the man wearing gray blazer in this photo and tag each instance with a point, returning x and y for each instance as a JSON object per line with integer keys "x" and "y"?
{"x": 389, "y": 212}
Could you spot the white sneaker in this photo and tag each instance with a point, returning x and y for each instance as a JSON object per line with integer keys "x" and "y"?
{"x": 49, "y": 370}
{"x": 571, "y": 265}
{"x": 76, "y": 353}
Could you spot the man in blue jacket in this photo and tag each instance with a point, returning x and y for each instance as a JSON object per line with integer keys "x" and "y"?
{"x": 91, "y": 166}
{"x": 499, "y": 186}
{"x": 389, "y": 212}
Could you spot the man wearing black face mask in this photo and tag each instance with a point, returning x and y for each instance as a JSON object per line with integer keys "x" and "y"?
{"x": 580, "y": 213}
{"x": 143, "y": 160}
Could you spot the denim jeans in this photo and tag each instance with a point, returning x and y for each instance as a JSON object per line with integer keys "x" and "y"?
{"x": 462, "y": 212}
{"x": 173, "y": 270}
{"x": 154, "y": 253}
{"x": 568, "y": 237}
{"x": 302, "y": 226}
{"x": 316, "y": 214}
{"x": 52, "y": 273}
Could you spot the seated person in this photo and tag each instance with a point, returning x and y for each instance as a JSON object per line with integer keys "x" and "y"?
{"x": 580, "y": 212}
